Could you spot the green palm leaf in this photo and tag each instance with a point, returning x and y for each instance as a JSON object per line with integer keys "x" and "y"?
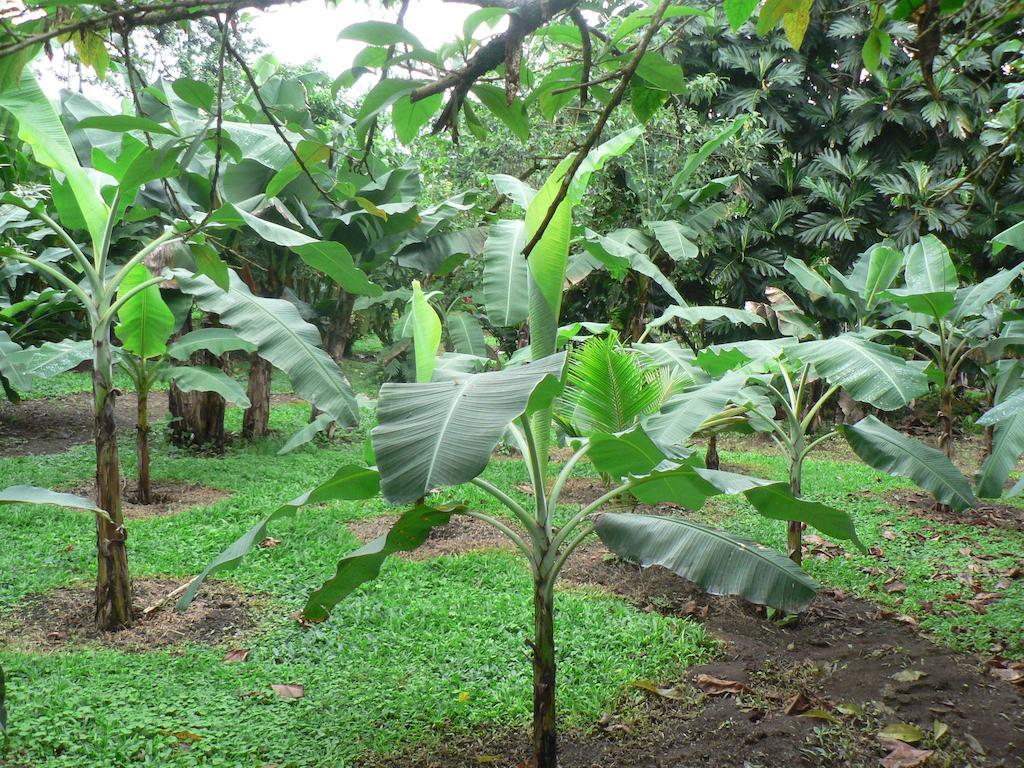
{"x": 607, "y": 389}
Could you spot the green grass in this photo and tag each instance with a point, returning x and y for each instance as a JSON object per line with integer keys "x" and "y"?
{"x": 73, "y": 382}
{"x": 430, "y": 648}
{"x": 860, "y": 490}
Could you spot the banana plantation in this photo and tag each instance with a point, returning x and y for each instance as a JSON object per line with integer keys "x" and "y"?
{"x": 512, "y": 383}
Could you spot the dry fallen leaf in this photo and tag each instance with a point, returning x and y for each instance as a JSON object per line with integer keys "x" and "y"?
{"x": 909, "y": 675}
{"x": 665, "y": 693}
{"x": 288, "y": 691}
{"x": 716, "y": 686}
{"x": 797, "y": 703}
{"x": 269, "y": 543}
{"x": 907, "y": 732}
{"x": 974, "y": 744}
{"x": 895, "y": 585}
{"x": 236, "y": 654}
{"x": 905, "y": 756}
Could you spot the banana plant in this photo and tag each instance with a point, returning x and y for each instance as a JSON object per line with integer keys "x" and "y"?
{"x": 778, "y": 377}
{"x": 104, "y": 292}
{"x": 146, "y": 326}
{"x": 104, "y": 203}
{"x": 440, "y": 433}
{"x": 952, "y": 326}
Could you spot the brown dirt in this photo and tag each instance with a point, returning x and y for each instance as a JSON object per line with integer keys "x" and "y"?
{"x": 462, "y": 534}
{"x": 986, "y": 515}
{"x": 63, "y": 618}
{"x": 169, "y": 497}
{"x": 54, "y": 424}
{"x": 841, "y": 655}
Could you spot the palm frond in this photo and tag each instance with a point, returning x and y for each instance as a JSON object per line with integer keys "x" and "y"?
{"x": 608, "y": 388}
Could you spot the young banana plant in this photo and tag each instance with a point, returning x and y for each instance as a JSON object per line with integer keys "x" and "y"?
{"x": 147, "y": 358}
{"x": 105, "y": 291}
{"x": 440, "y": 433}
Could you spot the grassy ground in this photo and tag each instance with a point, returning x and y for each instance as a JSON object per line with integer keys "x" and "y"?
{"x": 926, "y": 557}
{"x": 431, "y": 643}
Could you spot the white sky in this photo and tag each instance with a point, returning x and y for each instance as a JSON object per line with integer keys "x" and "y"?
{"x": 308, "y": 30}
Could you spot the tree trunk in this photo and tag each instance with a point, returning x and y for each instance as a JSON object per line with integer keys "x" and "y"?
{"x": 795, "y": 529}
{"x": 545, "y": 740}
{"x": 946, "y": 421}
{"x": 197, "y": 418}
{"x": 711, "y": 460}
{"x": 331, "y": 428}
{"x": 945, "y": 435}
{"x": 113, "y": 584}
{"x": 339, "y": 330}
{"x": 256, "y": 421}
{"x": 145, "y": 492}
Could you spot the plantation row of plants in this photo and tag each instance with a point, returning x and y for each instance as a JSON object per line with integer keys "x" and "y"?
{"x": 687, "y": 261}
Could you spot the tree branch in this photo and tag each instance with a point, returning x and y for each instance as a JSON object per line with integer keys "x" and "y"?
{"x": 595, "y": 132}
{"x": 136, "y": 15}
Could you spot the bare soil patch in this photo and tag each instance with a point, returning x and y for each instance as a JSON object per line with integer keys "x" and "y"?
{"x": 856, "y": 666}
{"x": 985, "y": 515}
{"x": 168, "y": 497}
{"x": 462, "y": 534}
{"x": 54, "y": 424}
{"x": 63, "y": 619}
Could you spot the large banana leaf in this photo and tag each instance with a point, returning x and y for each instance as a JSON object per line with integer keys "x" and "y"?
{"x": 506, "y": 277}
{"x": 1008, "y": 436}
{"x": 22, "y": 366}
{"x": 690, "y": 486}
{"x": 217, "y": 341}
{"x": 350, "y": 482}
{"x": 631, "y": 453}
{"x": 363, "y": 565}
{"x": 890, "y": 451}
{"x": 717, "y": 562}
{"x": 1007, "y": 409}
{"x": 875, "y": 272}
{"x": 326, "y": 256}
{"x": 466, "y": 334}
{"x": 973, "y": 299}
{"x": 40, "y": 127}
{"x": 425, "y": 326}
{"x": 868, "y": 371}
{"x": 681, "y": 415}
{"x": 671, "y": 235}
{"x": 442, "y": 433}
{"x": 146, "y": 322}
{"x": 29, "y": 494}
{"x": 929, "y": 269}
{"x": 1007, "y": 446}
{"x": 205, "y": 378}
{"x": 282, "y": 338}
{"x": 934, "y": 304}
{"x": 548, "y": 259}
{"x": 693, "y": 315}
